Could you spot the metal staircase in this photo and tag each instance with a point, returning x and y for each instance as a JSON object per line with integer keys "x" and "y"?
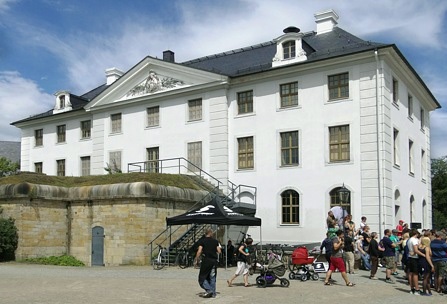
{"x": 190, "y": 234}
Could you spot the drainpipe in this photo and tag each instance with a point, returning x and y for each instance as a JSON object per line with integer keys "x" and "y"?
{"x": 378, "y": 127}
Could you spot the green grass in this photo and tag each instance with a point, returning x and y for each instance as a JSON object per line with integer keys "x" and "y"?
{"x": 64, "y": 260}
{"x": 175, "y": 180}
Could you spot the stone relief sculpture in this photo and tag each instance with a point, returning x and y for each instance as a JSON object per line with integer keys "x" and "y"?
{"x": 153, "y": 84}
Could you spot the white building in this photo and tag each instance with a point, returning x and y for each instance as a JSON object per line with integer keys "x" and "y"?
{"x": 297, "y": 117}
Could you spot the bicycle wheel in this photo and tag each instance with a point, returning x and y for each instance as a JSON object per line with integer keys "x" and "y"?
{"x": 157, "y": 264}
{"x": 182, "y": 260}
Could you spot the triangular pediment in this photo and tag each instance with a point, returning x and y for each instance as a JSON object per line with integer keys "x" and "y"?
{"x": 152, "y": 78}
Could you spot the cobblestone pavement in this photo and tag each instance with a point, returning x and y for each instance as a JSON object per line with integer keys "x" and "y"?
{"x": 21, "y": 283}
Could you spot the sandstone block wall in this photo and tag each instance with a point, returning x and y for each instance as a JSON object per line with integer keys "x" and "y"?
{"x": 55, "y": 221}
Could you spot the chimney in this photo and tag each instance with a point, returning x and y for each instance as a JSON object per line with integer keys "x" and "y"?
{"x": 325, "y": 21}
{"x": 168, "y": 56}
{"x": 113, "y": 74}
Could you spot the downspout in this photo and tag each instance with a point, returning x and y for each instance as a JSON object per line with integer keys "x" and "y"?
{"x": 379, "y": 160}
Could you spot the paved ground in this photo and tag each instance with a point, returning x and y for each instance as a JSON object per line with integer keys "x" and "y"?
{"x": 20, "y": 284}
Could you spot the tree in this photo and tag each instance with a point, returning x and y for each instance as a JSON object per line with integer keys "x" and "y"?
{"x": 439, "y": 191}
{"x": 7, "y": 167}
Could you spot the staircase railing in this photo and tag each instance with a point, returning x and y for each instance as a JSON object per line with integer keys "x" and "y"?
{"x": 236, "y": 190}
{"x": 157, "y": 240}
{"x": 179, "y": 165}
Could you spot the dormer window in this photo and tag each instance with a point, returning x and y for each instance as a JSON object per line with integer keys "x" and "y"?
{"x": 289, "y": 49}
{"x": 62, "y": 103}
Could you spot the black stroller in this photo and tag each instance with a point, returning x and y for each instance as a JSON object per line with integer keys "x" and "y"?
{"x": 269, "y": 273}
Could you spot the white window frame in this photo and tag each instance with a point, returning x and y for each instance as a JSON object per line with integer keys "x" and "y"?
{"x": 411, "y": 157}
{"x": 195, "y": 155}
{"x": 61, "y": 134}
{"x": 38, "y": 140}
{"x": 113, "y": 155}
{"x": 423, "y": 165}
{"x": 86, "y": 133}
{"x": 59, "y": 164}
{"x": 325, "y": 85}
{"x": 85, "y": 170}
{"x": 152, "y": 164}
{"x": 195, "y": 109}
{"x": 253, "y": 152}
{"x": 114, "y": 129}
{"x": 153, "y": 118}
{"x": 396, "y": 147}
{"x": 280, "y": 134}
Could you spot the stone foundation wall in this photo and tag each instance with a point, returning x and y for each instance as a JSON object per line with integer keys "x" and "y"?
{"x": 57, "y": 221}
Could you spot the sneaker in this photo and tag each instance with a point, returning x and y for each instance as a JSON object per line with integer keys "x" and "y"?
{"x": 373, "y": 278}
{"x": 395, "y": 273}
{"x": 388, "y": 280}
{"x": 207, "y": 295}
{"x": 417, "y": 292}
{"x": 426, "y": 294}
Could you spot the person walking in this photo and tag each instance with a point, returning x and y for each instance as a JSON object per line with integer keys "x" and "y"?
{"x": 389, "y": 255}
{"x": 210, "y": 248}
{"x": 439, "y": 258}
{"x": 337, "y": 260}
{"x": 242, "y": 263}
{"x": 365, "y": 256}
{"x": 327, "y": 246}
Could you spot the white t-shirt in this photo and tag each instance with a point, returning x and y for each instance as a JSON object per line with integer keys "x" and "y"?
{"x": 410, "y": 243}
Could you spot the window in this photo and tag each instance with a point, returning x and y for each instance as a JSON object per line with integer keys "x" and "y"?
{"x": 195, "y": 109}
{"x": 38, "y": 167}
{"x": 61, "y": 133}
{"x": 290, "y": 207}
{"x": 116, "y": 122}
{"x": 289, "y": 49}
{"x": 86, "y": 127}
{"x": 289, "y": 148}
{"x": 85, "y": 165}
{"x": 152, "y": 160}
{"x": 396, "y": 155}
{"x": 60, "y": 167}
{"x": 422, "y": 119}
{"x": 289, "y": 94}
{"x": 195, "y": 156}
{"x": 245, "y": 102}
{"x": 245, "y": 153}
{"x": 115, "y": 161}
{"x": 339, "y": 146}
{"x": 62, "y": 102}
{"x": 335, "y": 200}
{"x": 410, "y": 106}
{"x": 410, "y": 157}
{"x": 395, "y": 91}
{"x": 153, "y": 116}
{"x": 38, "y": 137}
{"x": 338, "y": 86}
{"x": 423, "y": 165}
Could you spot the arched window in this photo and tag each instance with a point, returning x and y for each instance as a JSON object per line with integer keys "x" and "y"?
{"x": 290, "y": 207}
{"x": 424, "y": 214}
{"x": 289, "y": 49}
{"x": 335, "y": 200}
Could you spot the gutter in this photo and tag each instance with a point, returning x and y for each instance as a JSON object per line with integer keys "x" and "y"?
{"x": 379, "y": 145}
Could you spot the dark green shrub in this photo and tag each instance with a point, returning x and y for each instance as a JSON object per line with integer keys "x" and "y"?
{"x": 9, "y": 239}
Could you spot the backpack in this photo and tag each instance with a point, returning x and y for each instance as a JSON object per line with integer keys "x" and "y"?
{"x": 405, "y": 254}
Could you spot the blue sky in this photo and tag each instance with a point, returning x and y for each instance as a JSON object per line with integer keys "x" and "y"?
{"x": 51, "y": 45}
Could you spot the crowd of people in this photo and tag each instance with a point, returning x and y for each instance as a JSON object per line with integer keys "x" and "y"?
{"x": 419, "y": 254}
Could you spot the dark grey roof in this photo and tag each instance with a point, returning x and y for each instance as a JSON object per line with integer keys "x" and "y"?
{"x": 10, "y": 150}
{"x": 259, "y": 57}
{"x": 95, "y": 92}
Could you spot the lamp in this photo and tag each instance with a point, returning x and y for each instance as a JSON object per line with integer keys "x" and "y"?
{"x": 343, "y": 194}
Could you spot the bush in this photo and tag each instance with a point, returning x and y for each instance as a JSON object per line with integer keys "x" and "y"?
{"x": 64, "y": 260}
{"x": 9, "y": 239}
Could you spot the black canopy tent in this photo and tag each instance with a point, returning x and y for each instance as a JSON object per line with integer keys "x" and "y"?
{"x": 215, "y": 214}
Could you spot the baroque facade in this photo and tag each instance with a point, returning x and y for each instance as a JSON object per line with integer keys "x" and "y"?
{"x": 298, "y": 117}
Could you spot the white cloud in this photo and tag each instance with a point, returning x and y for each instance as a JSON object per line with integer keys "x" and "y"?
{"x": 19, "y": 98}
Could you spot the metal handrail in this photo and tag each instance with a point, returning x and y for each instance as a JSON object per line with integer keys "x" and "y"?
{"x": 164, "y": 164}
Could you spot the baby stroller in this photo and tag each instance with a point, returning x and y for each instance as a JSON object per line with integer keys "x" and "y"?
{"x": 269, "y": 273}
{"x": 302, "y": 267}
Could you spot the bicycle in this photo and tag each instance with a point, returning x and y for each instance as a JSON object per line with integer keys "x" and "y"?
{"x": 184, "y": 259}
{"x": 162, "y": 258}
